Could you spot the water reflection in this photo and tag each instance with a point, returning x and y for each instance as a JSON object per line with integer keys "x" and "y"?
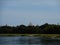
{"x": 50, "y": 41}
{"x": 29, "y": 40}
{"x": 26, "y": 40}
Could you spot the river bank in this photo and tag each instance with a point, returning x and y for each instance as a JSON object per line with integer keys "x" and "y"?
{"x": 37, "y": 35}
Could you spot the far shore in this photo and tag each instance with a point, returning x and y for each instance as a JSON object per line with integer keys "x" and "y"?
{"x": 36, "y": 35}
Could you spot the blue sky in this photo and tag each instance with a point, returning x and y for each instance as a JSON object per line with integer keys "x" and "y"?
{"x": 16, "y": 12}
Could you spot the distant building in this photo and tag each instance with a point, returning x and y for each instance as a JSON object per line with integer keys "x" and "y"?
{"x": 30, "y": 24}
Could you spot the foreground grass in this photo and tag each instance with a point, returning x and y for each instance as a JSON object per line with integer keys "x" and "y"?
{"x": 37, "y": 35}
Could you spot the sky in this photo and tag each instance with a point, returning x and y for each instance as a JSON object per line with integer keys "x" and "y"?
{"x": 17, "y": 12}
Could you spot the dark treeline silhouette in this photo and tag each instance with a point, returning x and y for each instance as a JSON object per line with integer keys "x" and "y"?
{"x": 31, "y": 29}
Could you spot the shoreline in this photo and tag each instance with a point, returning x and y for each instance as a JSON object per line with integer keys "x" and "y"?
{"x": 35, "y": 35}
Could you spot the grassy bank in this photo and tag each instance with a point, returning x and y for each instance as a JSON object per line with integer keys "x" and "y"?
{"x": 38, "y": 35}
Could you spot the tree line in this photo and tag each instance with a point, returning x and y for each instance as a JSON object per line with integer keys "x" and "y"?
{"x": 31, "y": 29}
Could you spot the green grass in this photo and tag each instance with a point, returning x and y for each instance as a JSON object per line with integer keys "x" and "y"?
{"x": 37, "y": 35}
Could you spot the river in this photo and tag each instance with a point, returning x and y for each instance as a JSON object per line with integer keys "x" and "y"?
{"x": 26, "y": 40}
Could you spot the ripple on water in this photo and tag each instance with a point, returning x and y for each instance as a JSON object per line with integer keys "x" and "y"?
{"x": 24, "y": 40}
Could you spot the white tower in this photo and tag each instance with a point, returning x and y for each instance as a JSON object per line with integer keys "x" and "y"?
{"x": 30, "y": 24}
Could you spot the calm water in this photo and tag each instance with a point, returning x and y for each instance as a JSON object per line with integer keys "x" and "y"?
{"x": 25, "y": 40}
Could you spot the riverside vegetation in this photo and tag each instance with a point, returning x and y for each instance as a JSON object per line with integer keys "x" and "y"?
{"x": 45, "y": 30}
